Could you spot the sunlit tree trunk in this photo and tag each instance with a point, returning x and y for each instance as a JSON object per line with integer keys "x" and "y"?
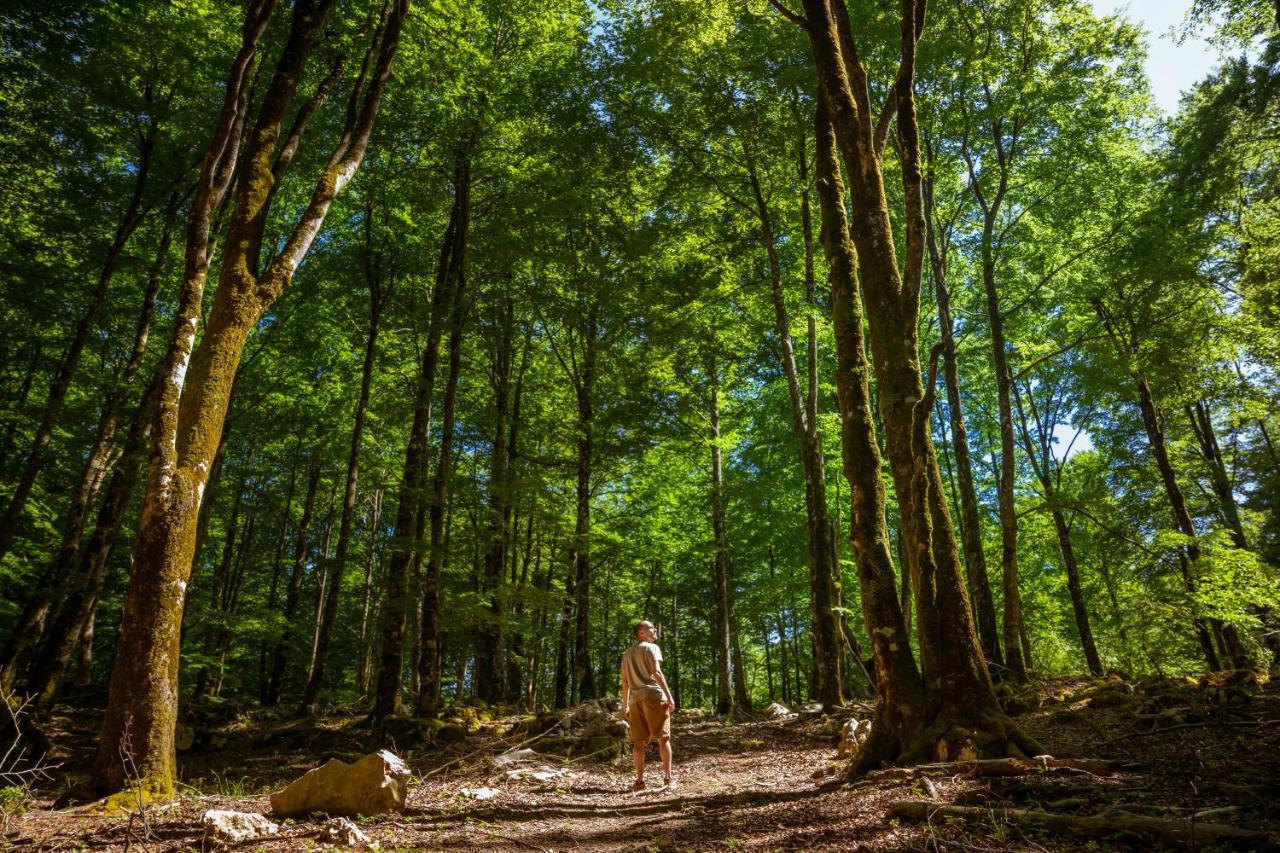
{"x": 136, "y": 744}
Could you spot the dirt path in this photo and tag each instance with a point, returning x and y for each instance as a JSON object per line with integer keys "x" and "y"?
{"x": 746, "y": 786}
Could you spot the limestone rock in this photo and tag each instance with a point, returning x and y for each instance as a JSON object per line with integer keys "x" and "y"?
{"x": 777, "y": 711}
{"x": 343, "y": 833}
{"x": 375, "y": 784}
{"x": 227, "y": 827}
{"x": 852, "y": 735}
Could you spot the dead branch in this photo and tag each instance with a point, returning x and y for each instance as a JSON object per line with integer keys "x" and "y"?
{"x": 1177, "y": 831}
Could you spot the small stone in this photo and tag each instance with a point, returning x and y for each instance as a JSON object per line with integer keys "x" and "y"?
{"x": 228, "y": 827}
{"x": 479, "y": 793}
{"x": 342, "y": 832}
{"x": 375, "y": 784}
{"x": 777, "y": 711}
{"x": 515, "y": 756}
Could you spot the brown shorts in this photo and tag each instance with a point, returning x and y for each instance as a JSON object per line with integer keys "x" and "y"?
{"x": 649, "y": 718}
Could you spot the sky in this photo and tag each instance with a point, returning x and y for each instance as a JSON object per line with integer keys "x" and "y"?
{"x": 1171, "y": 67}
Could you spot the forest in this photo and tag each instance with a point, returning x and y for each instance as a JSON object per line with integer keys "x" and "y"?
{"x": 371, "y": 368}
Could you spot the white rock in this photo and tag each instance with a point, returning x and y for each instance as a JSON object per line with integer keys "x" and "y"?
{"x": 375, "y": 784}
{"x": 515, "y": 756}
{"x": 342, "y": 832}
{"x": 227, "y": 827}
{"x": 479, "y": 793}
{"x": 777, "y": 711}
{"x": 852, "y": 735}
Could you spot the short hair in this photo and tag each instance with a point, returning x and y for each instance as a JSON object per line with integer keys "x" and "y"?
{"x": 643, "y": 623}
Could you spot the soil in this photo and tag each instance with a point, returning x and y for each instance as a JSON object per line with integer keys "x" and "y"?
{"x": 1208, "y": 748}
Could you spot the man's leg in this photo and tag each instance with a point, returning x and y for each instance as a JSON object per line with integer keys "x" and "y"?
{"x": 637, "y": 753}
{"x": 664, "y": 749}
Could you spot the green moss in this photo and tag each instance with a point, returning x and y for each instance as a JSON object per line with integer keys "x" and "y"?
{"x": 148, "y": 792}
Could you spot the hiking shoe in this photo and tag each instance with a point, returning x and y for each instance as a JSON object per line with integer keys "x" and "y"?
{"x": 670, "y": 784}
{"x": 637, "y": 785}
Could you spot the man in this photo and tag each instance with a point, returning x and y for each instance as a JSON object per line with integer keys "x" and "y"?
{"x": 647, "y": 701}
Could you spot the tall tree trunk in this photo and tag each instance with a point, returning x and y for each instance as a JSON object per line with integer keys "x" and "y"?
{"x": 297, "y": 571}
{"x": 129, "y": 220}
{"x": 277, "y": 559}
{"x": 1008, "y": 466}
{"x": 449, "y": 278}
{"x": 583, "y": 676}
{"x": 489, "y": 670}
{"x": 379, "y": 293}
{"x": 970, "y": 519}
{"x": 900, "y": 707}
{"x": 958, "y": 693}
{"x": 1207, "y": 438}
{"x": 824, "y": 592}
{"x": 197, "y": 378}
{"x": 367, "y": 614}
{"x": 1153, "y": 424}
{"x": 50, "y": 591}
{"x": 1040, "y": 455}
{"x": 430, "y": 661}
{"x": 560, "y": 691}
{"x": 50, "y": 664}
{"x": 724, "y": 697}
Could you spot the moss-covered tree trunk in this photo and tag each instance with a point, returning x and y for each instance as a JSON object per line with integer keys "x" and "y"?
{"x": 961, "y": 715}
{"x": 136, "y": 746}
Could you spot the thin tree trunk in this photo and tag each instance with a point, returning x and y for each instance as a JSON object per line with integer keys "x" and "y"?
{"x": 366, "y": 613}
{"x": 386, "y": 700}
{"x": 128, "y": 223}
{"x": 52, "y": 588}
{"x": 970, "y": 518}
{"x": 584, "y": 677}
{"x": 724, "y": 698}
{"x": 379, "y": 293}
{"x": 824, "y": 590}
{"x": 288, "y": 639}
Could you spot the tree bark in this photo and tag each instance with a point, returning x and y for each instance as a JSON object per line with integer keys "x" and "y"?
{"x": 583, "y": 675}
{"x": 136, "y": 745}
{"x": 900, "y": 706}
{"x": 961, "y": 714}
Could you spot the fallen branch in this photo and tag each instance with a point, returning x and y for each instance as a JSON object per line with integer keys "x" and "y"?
{"x": 1170, "y": 830}
{"x": 1204, "y": 725}
{"x": 1004, "y": 767}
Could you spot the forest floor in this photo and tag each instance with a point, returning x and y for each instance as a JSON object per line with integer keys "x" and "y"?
{"x": 1208, "y": 749}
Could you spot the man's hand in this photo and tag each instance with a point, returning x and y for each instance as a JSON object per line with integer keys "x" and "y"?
{"x": 671, "y": 705}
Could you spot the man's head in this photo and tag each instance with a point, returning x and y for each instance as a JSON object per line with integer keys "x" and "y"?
{"x": 645, "y": 632}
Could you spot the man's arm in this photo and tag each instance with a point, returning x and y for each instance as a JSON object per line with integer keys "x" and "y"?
{"x": 626, "y": 692}
{"x": 662, "y": 679}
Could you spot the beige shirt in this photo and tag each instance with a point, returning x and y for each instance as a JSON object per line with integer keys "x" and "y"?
{"x": 638, "y": 662}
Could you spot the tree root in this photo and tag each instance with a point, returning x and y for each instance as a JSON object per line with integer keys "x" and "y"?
{"x": 1169, "y": 830}
{"x": 1005, "y": 767}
